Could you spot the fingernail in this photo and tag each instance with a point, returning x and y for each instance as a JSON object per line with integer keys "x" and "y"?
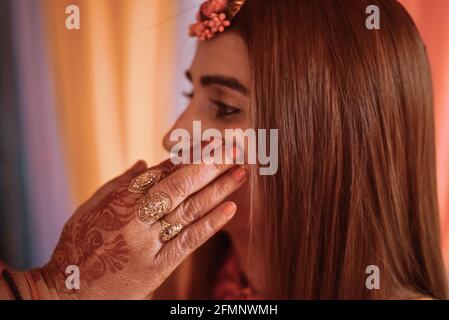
{"x": 239, "y": 175}
{"x": 229, "y": 209}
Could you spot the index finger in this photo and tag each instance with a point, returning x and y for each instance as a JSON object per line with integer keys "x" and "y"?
{"x": 169, "y": 193}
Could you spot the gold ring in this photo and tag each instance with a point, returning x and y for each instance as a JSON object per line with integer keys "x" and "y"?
{"x": 169, "y": 231}
{"x": 144, "y": 181}
{"x": 153, "y": 207}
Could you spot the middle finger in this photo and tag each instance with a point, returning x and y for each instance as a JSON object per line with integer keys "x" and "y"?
{"x": 200, "y": 203}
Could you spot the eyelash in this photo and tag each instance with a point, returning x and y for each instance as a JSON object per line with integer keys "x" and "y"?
{"x": 223, "y": 110}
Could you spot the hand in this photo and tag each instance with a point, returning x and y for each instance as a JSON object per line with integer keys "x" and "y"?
{"x": 121, "y": 257}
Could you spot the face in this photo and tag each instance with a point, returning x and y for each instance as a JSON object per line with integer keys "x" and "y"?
{"x": 219, "y": 99}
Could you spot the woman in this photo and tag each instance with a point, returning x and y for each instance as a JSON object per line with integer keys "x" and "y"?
{"x": 355, "y": 187}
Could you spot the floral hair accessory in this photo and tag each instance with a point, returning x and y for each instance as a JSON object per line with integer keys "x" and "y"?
{"x": 214, "y": 16}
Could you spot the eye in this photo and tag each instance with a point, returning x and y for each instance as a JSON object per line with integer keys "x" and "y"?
{"x": 224, "y": 110}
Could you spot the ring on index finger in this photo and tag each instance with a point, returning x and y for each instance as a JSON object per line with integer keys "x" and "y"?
{"x": 145, "y": 180}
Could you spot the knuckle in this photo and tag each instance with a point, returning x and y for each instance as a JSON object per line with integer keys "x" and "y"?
{"x": 167, "y": 167}
{"x": 191, "y": 209}
{"x": 210, "y": 225}
{"x": 217, "y": 167}
{"x": 165, "y": 259}
{"x": 211, "y": 170}
{"x": 188, "y": 240}
{"x": 179, "y": 186}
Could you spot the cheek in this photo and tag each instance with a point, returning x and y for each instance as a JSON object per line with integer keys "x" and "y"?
{"x": 239, "y": 223}
{"x": 197, "y": 111}
{"x": 185, "y": 121}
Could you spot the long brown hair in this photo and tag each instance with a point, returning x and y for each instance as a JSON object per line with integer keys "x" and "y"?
{"x": 356, "y": 184}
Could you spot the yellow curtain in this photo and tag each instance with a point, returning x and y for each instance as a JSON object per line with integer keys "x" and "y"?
{"x": 112, "y": 81}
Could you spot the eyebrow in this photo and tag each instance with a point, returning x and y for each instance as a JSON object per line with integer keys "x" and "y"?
{"x": 224, "y": 81}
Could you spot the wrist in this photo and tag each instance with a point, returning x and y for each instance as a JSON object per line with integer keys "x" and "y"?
{"x": 51, "y": 283}
{"x": 15, "y": 286}
{"x": 22, "y": 284}
{"x": 27, "y": 287}
{"x": 44, "y": 283}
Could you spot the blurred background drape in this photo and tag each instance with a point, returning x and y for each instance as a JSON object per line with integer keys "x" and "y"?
{"x": 77, "y": 107}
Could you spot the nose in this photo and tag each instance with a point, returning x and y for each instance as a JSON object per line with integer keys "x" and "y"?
{"x": 166, "y": 140}
{"x": 183, "y": 122}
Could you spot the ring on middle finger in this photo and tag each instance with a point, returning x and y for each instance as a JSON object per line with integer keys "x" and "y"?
{"x": 153, "y": 207}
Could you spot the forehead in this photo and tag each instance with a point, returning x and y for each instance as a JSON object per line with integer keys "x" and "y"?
{"x": 223, "y": 55}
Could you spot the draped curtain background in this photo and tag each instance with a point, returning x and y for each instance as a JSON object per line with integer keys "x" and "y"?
{"x": 79, "y": 106}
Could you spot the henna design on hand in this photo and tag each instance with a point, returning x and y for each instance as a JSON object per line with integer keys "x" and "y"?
{"x": 93, "y": 238}
{"x": 89, "y": 242}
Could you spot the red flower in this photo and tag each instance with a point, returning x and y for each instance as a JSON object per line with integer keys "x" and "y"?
{"x": 213, "y": 6}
